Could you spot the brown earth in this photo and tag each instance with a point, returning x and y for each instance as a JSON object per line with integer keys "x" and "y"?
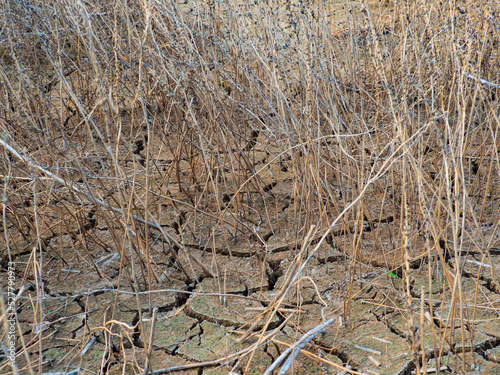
{"x": 90, "y": 289}
{"x": 88, "y": 306}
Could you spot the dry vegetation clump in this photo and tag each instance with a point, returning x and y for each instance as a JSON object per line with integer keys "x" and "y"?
{"x": 340, "y": 158}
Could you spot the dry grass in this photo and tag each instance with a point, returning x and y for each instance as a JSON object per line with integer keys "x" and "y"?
{"x": 174, "y": 126}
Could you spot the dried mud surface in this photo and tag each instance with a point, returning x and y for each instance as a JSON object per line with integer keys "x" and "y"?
{"x": 91, "y": 319}
{"x": 100, "y": 288}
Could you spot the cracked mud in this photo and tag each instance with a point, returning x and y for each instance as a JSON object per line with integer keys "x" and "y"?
{"x": 101, "y": 292}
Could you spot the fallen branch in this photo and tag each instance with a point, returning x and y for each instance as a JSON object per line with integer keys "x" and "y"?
{"x": 483, "y": 81}
{"x": 78, "y": 190}
{"x": 222, "y": 359}
{"x": 315, "y": 357}
{"x": 295, "y": 348}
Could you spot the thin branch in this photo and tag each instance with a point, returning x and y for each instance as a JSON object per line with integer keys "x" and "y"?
{"x": 295, "y": 348}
